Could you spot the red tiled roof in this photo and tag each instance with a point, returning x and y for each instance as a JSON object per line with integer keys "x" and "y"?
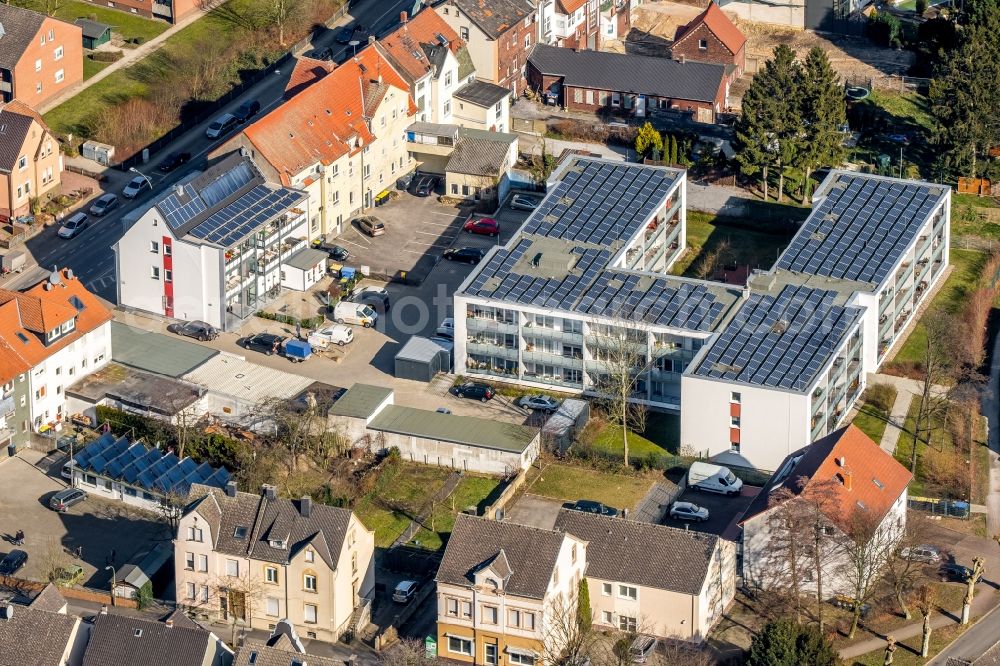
{"x": 719, "y": 24}
{"x": 569, "y": 6}
{"x": 403, "y": 44}
{"x": 307, "y": 71}
{"x": 317, "y": 124}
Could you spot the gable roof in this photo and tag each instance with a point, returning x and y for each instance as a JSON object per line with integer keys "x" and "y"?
{"x": 92, "y": 29}
{"x": 603, "y": 70}
{"x": 643, "y": 554}
{"x": 569, "y": 6}
{"x": 529, "y": 554}
{"x": 15, "y": 123}
{"x": 306, "y": 72}
{"x": 874, "y": 479}
{"x": 480, "y": 153}
{"x": 19, "y": 29}
{"x": 420, "y": 43}
{"x": 263, "y": 654}
{"x": 123, "y": 639}
{"x": 719, "y": 24}
{"x": 34, "y": 636}
{"x": 495, "y": 17}
{"x": 49, "y": 599}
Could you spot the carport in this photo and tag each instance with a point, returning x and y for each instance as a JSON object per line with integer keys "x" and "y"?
{"x": 422, "y": 358}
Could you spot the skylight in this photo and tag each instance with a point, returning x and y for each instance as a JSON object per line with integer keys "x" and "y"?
{"x": 22, "y": 337}
{"x": 75, "y": 301}
{"x": 240, "y": 533}
{"x": 878, "y": 484}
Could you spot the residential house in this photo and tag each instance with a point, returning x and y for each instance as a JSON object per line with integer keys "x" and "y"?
{"x": 663, "y": 581}
{"x": 217, "y": 245}
{"x": 849, "y": 478}
{"x": 51, "y": 334}
{"x": 306, "y": 72}
{"x": 500, "y": 34}
{"x": 627, "y": 84}
{"x": 257, "y": 559}
{"x": 482, "y": 105}
{"x": 148, "y": 567}
{"x": 503, "y": 589}
{"x": 341, "y": 140}
{"x": 40, "y": 637}
{"x": 712, "y": 37}
{"x": 168, "y": 10}
{"x": 282, "y": 648}
{"x": 30, "y": 162}
{"x": 175, "y": 640}
{"x": 472, "y": 162}
{"x": 40, "y": 56}
{"x": 574, "y": 24}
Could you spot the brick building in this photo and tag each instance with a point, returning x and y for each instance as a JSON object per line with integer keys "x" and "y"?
{"x": 168, "y": 10}
{"x": 40, "y": 56}
{"x": 712, "y": 37}
{"x": 630, "y": 85}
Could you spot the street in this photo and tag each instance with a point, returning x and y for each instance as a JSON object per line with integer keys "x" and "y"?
{"x": 90, "y": 254}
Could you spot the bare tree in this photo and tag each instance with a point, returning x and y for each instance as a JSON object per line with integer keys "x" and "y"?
{"x": 863, "y": 551}
{"x": 938, "y": 361}
{"x": 819, "y": 499}
{"x": 787, "y": 523}
{"x": 970, "y": 591}
{"x": 406, "y": 652}
{"x": 925, "y": 604}
{"x": 300, "y": 427}
{"x": 566, "y": 639}
{"x": 542, "y": 164}
{"x": 904, "y": 574}
{"x": 241, "y": 596}
{"x": 171, "y": 509}
{"x": 54, "y": 561}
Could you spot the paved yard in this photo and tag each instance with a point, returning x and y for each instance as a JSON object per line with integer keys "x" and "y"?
{"x": 96, "y": 525}
{"x": 723, "y": 511}
{"x": 534, "y": 511}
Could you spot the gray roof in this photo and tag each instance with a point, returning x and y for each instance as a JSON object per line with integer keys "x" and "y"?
{"x": 36, "y": 637}
{"x": 643, "y": 554}
{"x": 306, "y": 258}
{"x": 14, "y": 129}
{"x": 263, "y": 520}
{"x": 529, "y": 553}
{"x": 495, "y": 17}
{"x": 92, "y": 29}
{"x": 49, "y": 599}
{"x": 780, "y": 341}
{"x": 20, "y": 26}
{"x": 123, "y": 639}
{"x": 263, "y": 655}
{"x": 360, "y": 401}
{"x": 164, "y": 395}
{"x": 468, "y": 430}
{"x": 434, "y": 129}
{"x": 620, "y": 72}
{"x": 481, "y": 93}
{"x": 861, "y": 227}
{"x": 419, "y": 348}
{"x": 154, "y": 352}
{"x": 144, "y": 566}
{"x": 478, "y": 155}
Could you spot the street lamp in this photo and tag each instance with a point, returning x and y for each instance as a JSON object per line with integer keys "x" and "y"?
{"x": 111, "y": 568}
{"x": 148, "y": 180}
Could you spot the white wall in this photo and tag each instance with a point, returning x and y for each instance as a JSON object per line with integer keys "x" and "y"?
{"x": 89, "y": 353}
{"x": 482, "y": 49}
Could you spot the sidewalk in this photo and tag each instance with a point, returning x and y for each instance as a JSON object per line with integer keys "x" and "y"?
{"x": 906, "y": 390}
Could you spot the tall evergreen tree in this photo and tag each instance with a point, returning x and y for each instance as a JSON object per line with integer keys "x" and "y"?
{"x": 823, "y": 111}
{"x": 785, "y": 643}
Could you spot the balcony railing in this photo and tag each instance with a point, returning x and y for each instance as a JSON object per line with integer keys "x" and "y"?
{"x": 487, "y": 349}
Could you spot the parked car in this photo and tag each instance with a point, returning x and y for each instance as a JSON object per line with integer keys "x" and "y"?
{"x": 374, "y": 296}
{"x": 403, "y": 182}
{"x": 221, "y": 125}
{"x": 135, "y": 187}
{"x": 320, "y": 54}
{"x": 468, "y": 255}
{"x": 67, "y": 471}
{"x": 104, "y": 204}
{"x": 922, "y": 553}
{"x": 66, "y": 498}
{"x": 73, "y": 225}
{"x": 336, "y": 252}
{"x": 642, "y": 648}
{"x": 346, "y": 312}
{"x": 371, "y": 225}
{"x": 954, "y": 571}
{"x": 541, "y": 403}
{"x": 425, "y": 186}
{"x": 688, "y": 511}
{"x": 69, "y": 575}
{"x": 443, "y": 410}
{"x": 484, "y": 226}
{"x": 198, "y": 330}
{"x": 347, "y": 34}
{"x": 174, "y": 160}
{"x": 447, "y": 328}
{"x": 714, "y": 479}
{"x": 247, "y": 110}
{"x": 590, "y": 506}
{"x": 336, "y": 334}
{"x": 524, "y": 202}
{"x": 14, "y": 560}
{"x": 404, "y": 591}
{"x": 473, "y": 390}
{"x": 266, "y": 343}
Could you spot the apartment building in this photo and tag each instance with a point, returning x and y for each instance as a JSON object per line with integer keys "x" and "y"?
{"x": 575, "y": 24}
{"x": 259, "y": 559}
{"x": 51, "y": 334}
{"x": 168, "y": 10}
{"x": 503, "y": 589}
{"x": 30, "y": 162}
{"x": 217, "y": 246}
{"x": 41, "y": 56}
{"x": 341, "y": 139}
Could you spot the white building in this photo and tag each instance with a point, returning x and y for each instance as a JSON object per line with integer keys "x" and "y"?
{"x": 51, "y": 334}
{"x": 216, "y": 247}
{"x": 853, "y": 482}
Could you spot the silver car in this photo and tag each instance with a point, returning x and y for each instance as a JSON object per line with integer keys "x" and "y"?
{"x": 104, "y": 204}
{"x": 524, "y": 202}
{"x": 541, "y": 403}
{"x": 73, "y": 225}
{"x": 688, "y": 511}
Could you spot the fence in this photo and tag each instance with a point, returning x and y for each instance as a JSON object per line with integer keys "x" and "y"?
{"x": 947, "y": 508}
{"x": 900, "y": 84}
{"x": 26, "y": 587}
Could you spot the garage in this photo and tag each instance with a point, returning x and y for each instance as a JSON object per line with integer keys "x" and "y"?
{"x": 422, "y": 358}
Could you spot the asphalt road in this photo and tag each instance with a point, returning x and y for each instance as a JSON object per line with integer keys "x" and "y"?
{"x": 90, "y": 254}
{"x": 974, "y": 642}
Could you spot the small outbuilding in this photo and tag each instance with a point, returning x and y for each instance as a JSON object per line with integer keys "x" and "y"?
{"x": 94, "y": 33}
{"x": 421, "y": 358}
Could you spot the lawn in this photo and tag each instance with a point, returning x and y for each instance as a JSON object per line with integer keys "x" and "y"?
{"x": 735, "y": 245}
{"x": 390, "y": 508}
{"x": 609, "y": 441}
{"x": 91, "y": 67}
{"x": 975, "y": 216}
{"x": 128, "y": 26}
{"x": 570, "y": 483}
{"x": 472, "y": 491}
{"x": 872, "y": 422}
{"x": 884, "y": 114}
{"x": 908, "y": 650}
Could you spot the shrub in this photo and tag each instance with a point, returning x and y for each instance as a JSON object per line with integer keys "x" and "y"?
{"x": 785, "y": 643}
{"x": 144, "y": 595}
{"x": 881, "y": 396}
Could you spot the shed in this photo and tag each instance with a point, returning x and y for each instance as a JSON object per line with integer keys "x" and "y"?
{"x": 101, "y": 153}
{"x": 145, "y": 567}
{"x": 421, "y": 358}
{"x": 94, "y": 33}
{"x": 304, "y": 269}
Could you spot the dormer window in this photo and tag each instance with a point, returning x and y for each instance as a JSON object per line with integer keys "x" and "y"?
{"x": 68, "y": 326}
{"x": 52, "y": 335}
{"x": 277, "y": 543}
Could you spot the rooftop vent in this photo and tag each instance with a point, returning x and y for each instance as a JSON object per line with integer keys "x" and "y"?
{"x": 779, "y": 326}
{"x": 725, "y": 367}
{"x": 841, "y": 461}
{"x": 817, "y": 236}
{"x": 137, "y": 632}
{"x": 7, "y": 610}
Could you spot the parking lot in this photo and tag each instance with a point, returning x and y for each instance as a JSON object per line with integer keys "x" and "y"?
{"x": 723, "y": 511}
{"x": 97, "y": 526}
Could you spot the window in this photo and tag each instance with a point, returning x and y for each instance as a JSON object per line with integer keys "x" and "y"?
{"x": 734, "y": 396}
{"x": 462, "y": 32}
{"x": 513, "y": 618}
{"x": 154, "y": 247}
{"x": 38, "y": 87}
{"x": 368, "y": 170}
{"x": 310, "y": 613}
{"x": 309, "y": 582}
{"x": 190, "y": 591}
{"x": 528, "y": 621}
{"x": 310, "y": 555}
{"x": 154, "y": 272}
{"x": 590, "y": 97}
{"x": 521, "y": 658}
{"x": 232, "y": 568}
{"x": 451, "y": 607}
{"x": 60, "y": 75}
{"x": 354, "y": 563}
{"x": 606, "y": 617}
{"x": 734, "y": 447}
{"x": 703, "y": 44}
{"x": 627, "y": 624}
{"x": 454, "y": 188}
{"x": 572, "y": 553}
{"x": 38, "y": 65}
{"x": 734, "y": 421}
{"x": 194, "y": 534}
{"x": 168, "y": 276}
{"x": 489, "y": 615}
{"x": 628, "y": 592}
{"x": 204, "y": 592}
{"x": 336, "y": 197}
{"x": 577, "y": 95}
{"x": 52, "y": 35}
{"x": 447, "y": 80}
{"x": 189, "y": 561}
{"x": 273, "y": 607}
{"x": 527, "y": 41}
{"x": 616, "y": 99}
{"x": 167, "y": 251}
{"x": 203, "y": 563}
{"x": 59, "y": 53}
{"x": 459, "y": 645}
{"x": 606, "y": 589}
{"x": 447, "y": 108}
{"x": 467, "y": 610}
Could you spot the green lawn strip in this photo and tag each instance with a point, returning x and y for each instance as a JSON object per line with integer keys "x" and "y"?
{"x": 129, "y": 26}
{"x": 940, "y": 438}
{"x": 872, "y": 421}
{"x": 390, "y": 510}
{"x": 974, "y": 216}
{"x": 707, "y": 233}
{"x": 477, "y": 491}
{"x": 570, "y": 483}
{"x": 609, "y": 441}
{"x": 91, "y": 67}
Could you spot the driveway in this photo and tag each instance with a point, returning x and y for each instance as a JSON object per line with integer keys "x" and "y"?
{"x": 534, "y": 511}
{"x": 97, "y": 526}
{"x": 723, "y": 511}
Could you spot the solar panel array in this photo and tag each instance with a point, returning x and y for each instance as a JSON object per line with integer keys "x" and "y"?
{"x": 601, "y": 202}
{"x": 150, "y": 469}
{"x": 666, "y": 302}
{"x": 178, "y": 210}
{"x": 780, "y": 341}
{"x": 242, "y": 217}
{"x": 227, "y": 184}
{"x": 862, "y": 227}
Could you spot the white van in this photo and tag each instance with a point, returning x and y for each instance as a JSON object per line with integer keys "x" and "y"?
{"x": 354, "y": 313}
{"x": 714, "y": 479}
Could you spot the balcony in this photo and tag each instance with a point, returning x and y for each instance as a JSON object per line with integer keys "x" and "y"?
{"x": 487, "y": 349}
{"x": 489, "y": 324}
{"x": 552, "y": 380}
{"x": 540, "y": 332}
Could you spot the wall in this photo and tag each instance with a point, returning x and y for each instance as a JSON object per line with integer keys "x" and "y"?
{"x": 792, "y": 14}
{"x": 48, "y": 379}
{"x": 177, "y": 8}
{"x": 457, "y": 456}
{"x": 443, "y": 86}
{"x": 66, "y": 36}
{"x": 715, "y": 50}
{"x": 481, "y": 47}
{"x": 116, "y": 491}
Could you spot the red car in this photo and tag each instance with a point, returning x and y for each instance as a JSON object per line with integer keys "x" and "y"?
{"x": 486, "y": 226}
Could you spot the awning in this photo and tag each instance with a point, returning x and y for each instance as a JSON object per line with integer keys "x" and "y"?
{"x": 522, "y": 652}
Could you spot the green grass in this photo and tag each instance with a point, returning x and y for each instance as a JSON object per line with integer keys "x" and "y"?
{"x": 885, "y": 113}
{"x": 910, "y": 108}
{"x": 570, "y": 483}
{"x": 908, "y": 650}
{"x": 609, "y": 440}
{"x": 740, "y": 246}
{"x": 124, "y": 24}
{"x": 872, "y": 421}
{"x": 975, "y": 216}
{"x": 91, "y": 67}
{"x": 477, "y": 491}
{"x": 390, "y": 511}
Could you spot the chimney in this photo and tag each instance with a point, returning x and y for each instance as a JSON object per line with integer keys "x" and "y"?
{"x": 841, "y": 461}
{"x": 231, "y": 489}
{"x": 7, "y": 611}
{"x": 306, "y": 506}
{"x": 270, "y": 492}
{"x": 402, "y": 17}
{"x": 847, "y": 480}
{"x": 169, "y": 622}
{"x": 371, "y": 39}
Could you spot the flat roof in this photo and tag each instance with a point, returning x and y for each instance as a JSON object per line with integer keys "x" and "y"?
{"x": 154, "y": 352}
{"x": 861, "y": 226}
{"x": 158, "y": 393}
{"x": 234, "y": 376}
{"x": 467, "y": 430}
{"x": 419, "y": 348}
{"x": 360, "y": 401}
{"x": 306, "y": 258}
{"x": 780, "y": 340}
{"x": 481, "y": 93}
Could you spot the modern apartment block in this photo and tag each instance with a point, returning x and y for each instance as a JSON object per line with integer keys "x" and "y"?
{"x": 770, "y": 366}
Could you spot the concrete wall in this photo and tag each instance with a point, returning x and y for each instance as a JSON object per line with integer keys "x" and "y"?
{"x": 456, "y": 456}
{"x": 791, "y": 13}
